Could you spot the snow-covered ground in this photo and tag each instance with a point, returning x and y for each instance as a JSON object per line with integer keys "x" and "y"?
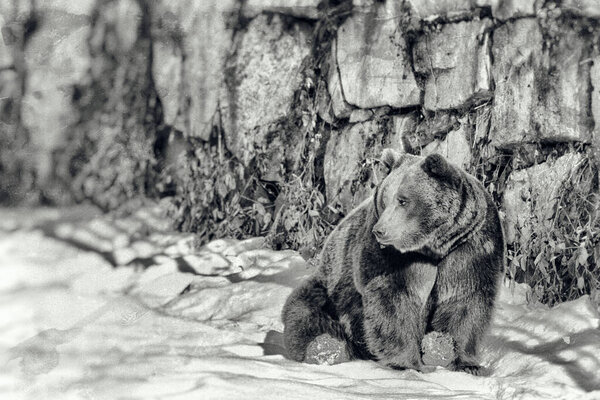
{"x": 172, "y": 321}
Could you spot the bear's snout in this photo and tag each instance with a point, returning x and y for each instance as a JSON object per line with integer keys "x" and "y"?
{"x": 379, "y": 232}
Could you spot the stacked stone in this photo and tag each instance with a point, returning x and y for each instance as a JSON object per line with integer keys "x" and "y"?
{"x": 421, "y": 76}
{"x": 456, "y": 77}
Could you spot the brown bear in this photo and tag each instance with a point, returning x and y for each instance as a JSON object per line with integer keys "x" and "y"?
{"x": 425, "y": 253}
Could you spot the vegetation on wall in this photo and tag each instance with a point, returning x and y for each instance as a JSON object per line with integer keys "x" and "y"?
{"x": 219, "y": 196}
{"x": 561, "y": 263}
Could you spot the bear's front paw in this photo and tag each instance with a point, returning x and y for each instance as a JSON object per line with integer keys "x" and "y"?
{"x": 325, "y": 349}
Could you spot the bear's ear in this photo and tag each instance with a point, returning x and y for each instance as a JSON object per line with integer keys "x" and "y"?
{"x": 436, "y": 166}
{"x": 392, "y": 159}
{"x": 389, "y": 157}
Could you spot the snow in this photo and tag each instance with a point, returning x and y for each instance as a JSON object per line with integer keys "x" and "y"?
{"x": 178, "y": 322}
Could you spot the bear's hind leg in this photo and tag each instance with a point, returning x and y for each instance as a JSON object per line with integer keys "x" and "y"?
{"x": 304, "y": 318}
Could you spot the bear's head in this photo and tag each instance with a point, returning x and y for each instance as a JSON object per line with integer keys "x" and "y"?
{"x": 426, "y": 204}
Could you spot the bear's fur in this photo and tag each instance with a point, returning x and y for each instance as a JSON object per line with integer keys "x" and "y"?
{"x": 424, "y": 253}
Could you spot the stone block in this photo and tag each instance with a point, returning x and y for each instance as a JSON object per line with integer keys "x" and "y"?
{"x": 456, "y": 63}
{"x": 351, "y": 169}
{"x": 452, "y": 10}
{"x": 18, "y": 8}
{"x": 541, "y": 93}
{"x": 166, "y": 71}
{"x": 6, "y": 57}
{"x": 192, "y": 47}
{"x": 261, "y": 77}
{"x": 531, "y": 195}
{"x": 79, "y": 7}
{"x": 296, "y": 8}
{"x": 360, "y": 115}
{"x": 9, "y": 87}
{"x": 516, "y": 49}
{"x": 56, "y": 60}
{"x": 595, "y": 105}
{"x": 372, "y": 56}
{"x": 583, "y": 8}
{"x": 455, "y": 147}
{"x": 339, "y": 105}
{"x": 331, "y": 103}
{"x": 324, "y": 103}
{"x": 563, "y": 84}
{"x": 349, "y": 154}
{"x": 428, "y": 128}
{"x": 507, "y": 9}
{"x": 431, "y": 9}
{"x": 403, "y": 127}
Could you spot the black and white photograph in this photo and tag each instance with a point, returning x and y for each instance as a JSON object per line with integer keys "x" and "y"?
{"x": 299, "y": 199}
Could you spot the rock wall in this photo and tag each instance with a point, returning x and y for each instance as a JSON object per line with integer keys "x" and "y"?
{"x": 268, "y": 116}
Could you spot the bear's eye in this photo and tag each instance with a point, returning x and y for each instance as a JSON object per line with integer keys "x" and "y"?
{"x": 401, "y": 202}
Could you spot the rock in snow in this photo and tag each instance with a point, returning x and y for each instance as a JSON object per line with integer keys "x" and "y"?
{"x": 438, "y": 349}
{"x": 326, "y": 350}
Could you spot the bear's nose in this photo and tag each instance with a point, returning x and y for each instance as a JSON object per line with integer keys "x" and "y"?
{"x": 378, "y": 232}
